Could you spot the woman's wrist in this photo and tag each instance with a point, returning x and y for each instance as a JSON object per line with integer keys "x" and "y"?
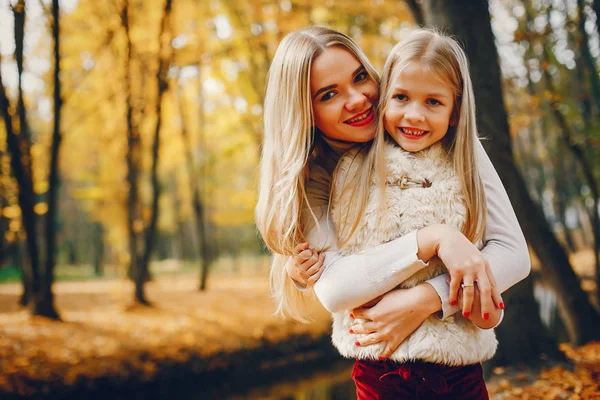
{"x": 429, "y": 298}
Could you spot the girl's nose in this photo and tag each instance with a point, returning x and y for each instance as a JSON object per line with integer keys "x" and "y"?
{"x": 413, "y": 114}
{"x": 356, "y": 100}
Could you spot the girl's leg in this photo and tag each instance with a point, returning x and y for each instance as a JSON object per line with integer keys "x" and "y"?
{"x": 366, "y": 375}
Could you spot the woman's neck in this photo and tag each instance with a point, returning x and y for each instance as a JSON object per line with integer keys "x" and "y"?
{"x": 339, "y": 147}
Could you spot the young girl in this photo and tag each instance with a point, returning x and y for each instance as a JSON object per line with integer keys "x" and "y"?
{"x": 320, "y": 99}
{"x": 421, "y": 170}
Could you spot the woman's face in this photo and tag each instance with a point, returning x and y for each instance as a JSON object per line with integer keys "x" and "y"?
{"x": 343, "y": 96}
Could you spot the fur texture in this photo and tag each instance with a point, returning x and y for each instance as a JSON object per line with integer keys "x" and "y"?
{"x": 454, "y": 341}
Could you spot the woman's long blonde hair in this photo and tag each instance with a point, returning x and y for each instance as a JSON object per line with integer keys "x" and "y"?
{"x": 443, "y": 57}
{"x": 290, "y": 140}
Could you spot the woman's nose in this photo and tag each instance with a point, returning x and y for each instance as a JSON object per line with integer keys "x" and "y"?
{"x": 356, "y": 100}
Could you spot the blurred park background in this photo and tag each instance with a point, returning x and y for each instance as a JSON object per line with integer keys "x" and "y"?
{"x": 129, "y": 145}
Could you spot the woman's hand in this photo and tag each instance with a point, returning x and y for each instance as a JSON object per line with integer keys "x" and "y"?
{"x": 397, "y": 315}
{"x": 306, "y": 266}
{"x": 482, "y": 320}
{"x": 466, "y": 266}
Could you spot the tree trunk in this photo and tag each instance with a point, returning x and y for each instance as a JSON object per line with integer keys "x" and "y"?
{"x": 98, "y": 240}
{"x": 47, "y": 296}
{"x": 586, "y": 55}
{"x": 579, "y": 155}
{"x": 471, "y": 25}
{"x": 161, "y": 78}
{"x": 596, "y": 7}
{"x": 132, "y": 156}
{"x": 523, "y": 345}
{"x": 206, "y": 257}
{"x": 18, "y": 144}
{"x": 417, "y": 12}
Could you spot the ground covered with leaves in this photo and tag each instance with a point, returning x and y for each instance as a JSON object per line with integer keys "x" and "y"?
{"x": 103, "y": 340}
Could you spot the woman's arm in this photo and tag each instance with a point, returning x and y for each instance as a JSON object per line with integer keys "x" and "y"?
{"x": 504, "y": 248}
{"x": 348, "y": 282}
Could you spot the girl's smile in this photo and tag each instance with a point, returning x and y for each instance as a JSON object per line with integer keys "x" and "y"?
{"x": 420, "y": 108}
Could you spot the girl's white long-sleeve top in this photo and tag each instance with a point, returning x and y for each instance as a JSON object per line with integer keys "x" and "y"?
{"x": 348, "y": 282}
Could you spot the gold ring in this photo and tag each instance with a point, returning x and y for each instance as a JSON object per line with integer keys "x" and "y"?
{"x": 464, "y": 285}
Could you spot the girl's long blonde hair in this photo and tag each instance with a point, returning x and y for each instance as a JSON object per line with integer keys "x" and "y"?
{"x": 443, "y": 57}
{"x": 290, "y": 140}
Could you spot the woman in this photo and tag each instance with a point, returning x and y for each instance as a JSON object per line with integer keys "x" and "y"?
{"x": 321, "y": 98}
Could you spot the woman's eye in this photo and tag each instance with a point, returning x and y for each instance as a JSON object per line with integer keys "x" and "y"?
{"x": 400, "y": 97}
{"x": 327, "y": 96}
{"x": 433, "y": 102}
{"x": 361, "y": 77}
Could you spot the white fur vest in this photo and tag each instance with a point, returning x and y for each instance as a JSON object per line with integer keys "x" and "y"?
{"x": 420, "y": 189}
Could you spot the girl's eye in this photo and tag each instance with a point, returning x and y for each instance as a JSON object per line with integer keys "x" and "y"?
{"x": 327, "y": 96}
{"x": 400, "y": 97}
{"x": 361, "y": 77}
{"x": 433, "y": 102}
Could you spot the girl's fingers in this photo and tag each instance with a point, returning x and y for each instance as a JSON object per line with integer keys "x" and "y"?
{"x": 301, "y": 247}
{"x": 303, "y": 256}
{"x": 314, "y": 278}
{"x": 372, "y": 338}
{"x": 316, "y": 266}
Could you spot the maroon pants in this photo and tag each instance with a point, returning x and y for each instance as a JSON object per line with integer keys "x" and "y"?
{"x": 387, "y": 380}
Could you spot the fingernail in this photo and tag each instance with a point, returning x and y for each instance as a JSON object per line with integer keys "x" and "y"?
{"x": 466, "y": 314}
{"x": 486, "y": 316}
{"x": 502, "y": 305}
{"x": 453, "y": 302}
{"x": 351, "y": 331}
{"x": 357, "y": 343}
{"x": 381, "y": 358}
{"x": 351, "y": 315}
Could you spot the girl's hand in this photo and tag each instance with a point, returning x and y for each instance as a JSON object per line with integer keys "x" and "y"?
{"x": 466, "y": 265}
{"x": 306, "y": 266}
{"x": 397, "y": 315}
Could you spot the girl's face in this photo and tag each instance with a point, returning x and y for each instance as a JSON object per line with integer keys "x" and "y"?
{"x": 343, "y": 96}
{"x": 419, "y": 110}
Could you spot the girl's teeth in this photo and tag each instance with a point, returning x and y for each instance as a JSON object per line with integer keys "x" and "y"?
{"x": 413, "y": 133}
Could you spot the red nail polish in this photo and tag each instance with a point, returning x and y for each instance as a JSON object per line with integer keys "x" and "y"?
{"x": 486, "y": 316}
{"x": 453, "y": 302}
{"x": 381, "y": 358}
{"x": 357, "y": 343}
{"x": 351, "y": 331}
{"x": 466, "y": 314}
{"x": 351, "y": 315}
{"x": 502, "y": 305}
